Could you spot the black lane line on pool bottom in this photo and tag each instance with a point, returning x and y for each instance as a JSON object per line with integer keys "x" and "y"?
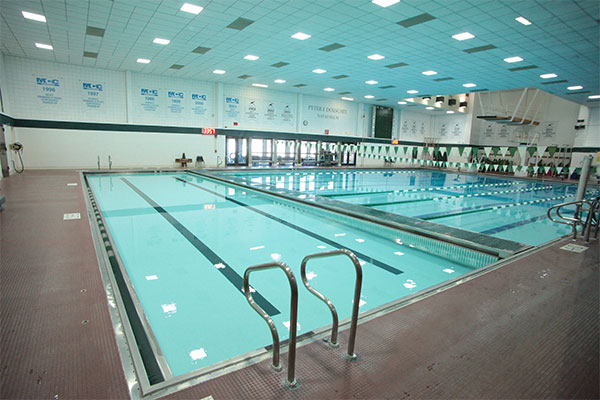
{"x": 229, "y": 273}
{"x": 337, "y": 245}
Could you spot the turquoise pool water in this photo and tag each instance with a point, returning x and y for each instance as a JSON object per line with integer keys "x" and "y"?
{"x": 186, "y": 240}
{"x": 513, "y": 209}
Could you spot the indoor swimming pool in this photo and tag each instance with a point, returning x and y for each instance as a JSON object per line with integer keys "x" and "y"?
{"x": 185, "y": 240}
{"x": 508, "y": 208}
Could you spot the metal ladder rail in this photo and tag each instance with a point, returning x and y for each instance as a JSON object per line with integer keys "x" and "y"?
{"x": 576, "y": 219}
{"x": 357, "y": 288}
{"x": 291, "y": 380}
{"x": 593, "y": 219}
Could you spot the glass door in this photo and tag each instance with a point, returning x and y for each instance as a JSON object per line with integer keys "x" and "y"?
{"x": 286, "y": 154}
{"x": 348, "y": 157}
{"x": 262, "y": 152}
{"x": 236, "y": 151}
{"x": 308, "y": 153}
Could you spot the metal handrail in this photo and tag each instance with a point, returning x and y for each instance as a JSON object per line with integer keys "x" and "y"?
{"x": 576, "y": 219}
{"x": 593, "y": 218}
{"x": 291, "y": 380}
{"x": 357, "y": 287}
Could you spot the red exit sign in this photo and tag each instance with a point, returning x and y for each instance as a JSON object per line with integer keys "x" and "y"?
{"x": 209, "y": 131}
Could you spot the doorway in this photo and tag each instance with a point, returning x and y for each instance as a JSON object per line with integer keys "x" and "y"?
{"x": 236, "y": 150}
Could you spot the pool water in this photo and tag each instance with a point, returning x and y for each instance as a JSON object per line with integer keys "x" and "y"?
{"x": 513, "y": 209}
{"x": 186, "y": 240}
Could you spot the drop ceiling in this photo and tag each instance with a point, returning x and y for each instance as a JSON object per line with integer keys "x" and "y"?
{"x": 413, "y": 35}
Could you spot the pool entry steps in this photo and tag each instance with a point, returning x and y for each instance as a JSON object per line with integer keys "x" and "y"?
{"x": 586, "y": 215}
{"x": 291, "y": 379}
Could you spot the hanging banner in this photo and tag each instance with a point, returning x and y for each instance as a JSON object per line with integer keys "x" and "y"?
{"x": 503, "y": 151}
{"x": 522, "y": 151}
{"x": 487, "y": 151}
{"x": 541, "y": 150}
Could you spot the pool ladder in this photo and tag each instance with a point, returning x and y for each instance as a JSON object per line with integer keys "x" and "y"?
{"x": 291, "y": 380}
{"x": 591, "y": 220}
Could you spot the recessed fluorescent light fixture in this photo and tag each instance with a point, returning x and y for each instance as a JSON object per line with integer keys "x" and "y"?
{"x": 594, "y": 96}
{"x": 429, "y": 73}
{"x": 319, "y": 71}
{"x": 575, "y": 87}
{"x": 191, "y": 8}
{"x": 385, "y": 3}
{"x": 279, "y": 81}
{"x": 513, "y": 59}
{"x": 402, "y": 102}
{"x": 430, "y": 108}
{"x": 143, "y": 61}
{"x": 219, "y": 71}
{"x": 35, "y": 17}
{"x": 412, "y": 91}
{"x": 251, "y": 57}
{"x": 548, "y": 76}
{"x": 369, "y": 96}
{"x": 523, "y": 20}
{"x": 449, "y": 112}
{"x": 328, "y": 89}
{"x": 43, "y": 46}
{"x": 348, "y": 98}
{"x": 463, "y": 36}
{"x": 260, "y": 85}
{"x": 371, "y": 82}
{"x": 376, "y": 57}
{"x": 300, "y": 36}
{"x": 469, "y": 85}
{"x": 161, "y": 41}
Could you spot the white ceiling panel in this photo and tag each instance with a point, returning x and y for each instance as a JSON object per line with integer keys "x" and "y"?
{"x": 564, "y": 39}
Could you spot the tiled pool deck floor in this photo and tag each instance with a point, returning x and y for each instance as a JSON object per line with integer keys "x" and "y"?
{"x": 529, "y": 329}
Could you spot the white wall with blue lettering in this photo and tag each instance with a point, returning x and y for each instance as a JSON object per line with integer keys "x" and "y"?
{"x": 45, "y": 90}
{"x": 258, "y": 108}
{"x": 338, "y": 116}
{"x": 166, "y": 100}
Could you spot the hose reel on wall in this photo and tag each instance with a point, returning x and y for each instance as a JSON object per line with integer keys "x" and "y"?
{"x": 18, "y": 149}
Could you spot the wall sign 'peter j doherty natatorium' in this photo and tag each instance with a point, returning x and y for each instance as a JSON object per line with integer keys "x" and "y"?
{"x": 49, "y": 90}
{"x": 326, "y": 112}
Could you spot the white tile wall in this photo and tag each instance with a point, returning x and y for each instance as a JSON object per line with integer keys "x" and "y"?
{"x": 63, "y": 96}
{"x": 259, "y": 108}
{"x": 165, "y": 100}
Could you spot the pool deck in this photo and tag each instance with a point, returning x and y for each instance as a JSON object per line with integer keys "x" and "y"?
{"x": 529, "y": 329}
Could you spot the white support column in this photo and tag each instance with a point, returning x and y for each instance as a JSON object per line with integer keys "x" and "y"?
{"x": 359, "y": 114}
{"x": 249, "y": 151}
{"x": 299, "y": 117}
{"x": 220, "y": 103}
{"x": 128, "y": 96}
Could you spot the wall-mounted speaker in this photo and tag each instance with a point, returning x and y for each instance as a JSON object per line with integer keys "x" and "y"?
{"x": 451, "y": 102}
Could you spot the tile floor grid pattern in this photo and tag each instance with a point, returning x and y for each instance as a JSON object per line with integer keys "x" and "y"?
{"x": 526, "y": 330}
{"x": 45, "y": 262}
